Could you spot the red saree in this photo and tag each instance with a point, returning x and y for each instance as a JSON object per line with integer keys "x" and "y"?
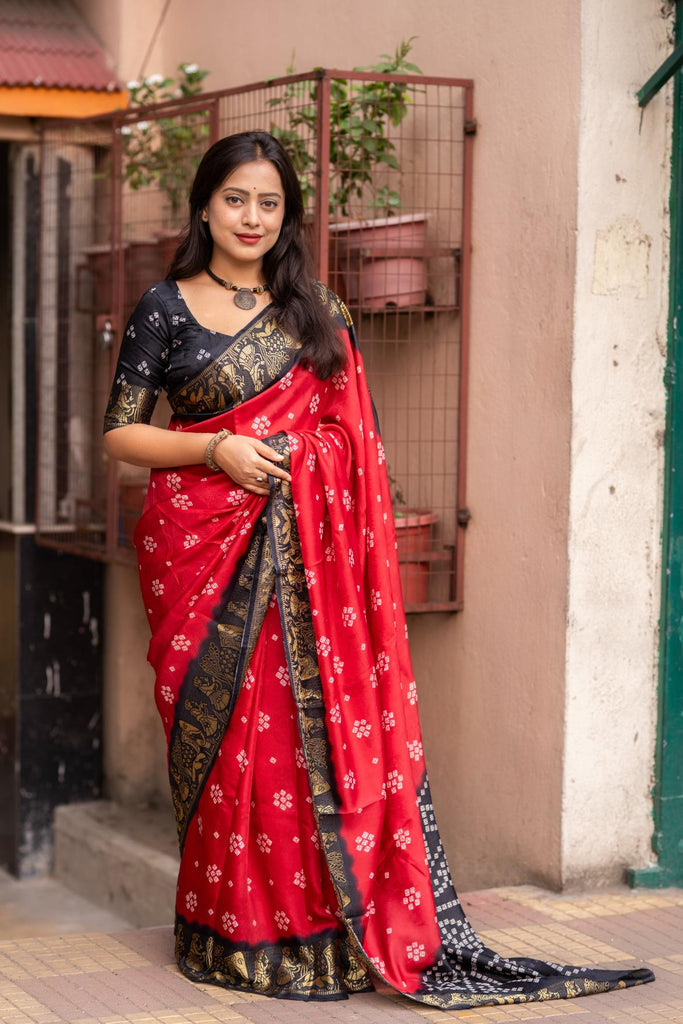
{"x": 311, "y": 860}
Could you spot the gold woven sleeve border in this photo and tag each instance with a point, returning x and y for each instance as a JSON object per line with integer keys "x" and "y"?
{"x": 130, "y": 404}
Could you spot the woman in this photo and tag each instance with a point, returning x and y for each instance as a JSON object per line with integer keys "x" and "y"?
{"x": 310, "y": 859}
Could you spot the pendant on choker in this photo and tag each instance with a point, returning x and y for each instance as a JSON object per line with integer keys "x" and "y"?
{"x": 245, "y": 298}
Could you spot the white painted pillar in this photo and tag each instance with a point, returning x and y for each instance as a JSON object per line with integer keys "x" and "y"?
{"x": 620, "y": 316}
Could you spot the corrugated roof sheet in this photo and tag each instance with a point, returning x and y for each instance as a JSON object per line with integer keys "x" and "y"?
{"x": 46, "y": 43}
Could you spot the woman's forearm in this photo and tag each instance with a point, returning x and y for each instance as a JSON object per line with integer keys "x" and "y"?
{"x": 246, "y": 460}
{"x": 155, "y": 447}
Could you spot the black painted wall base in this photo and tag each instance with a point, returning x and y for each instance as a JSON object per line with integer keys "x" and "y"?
{"x": 50, "y": 693}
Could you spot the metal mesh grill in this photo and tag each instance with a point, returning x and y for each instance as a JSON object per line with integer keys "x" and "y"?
{"x": 387, "y": 203}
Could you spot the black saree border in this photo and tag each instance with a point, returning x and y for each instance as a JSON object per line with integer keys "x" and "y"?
{"x": 302, "y": 662}
{"x": 464, "y": 965}
{"x": 213, "y": 681}
{"x": 209, "y": 692}
{"x": 557, "y": 988}
{"x": 326, "y": 965}
{"x": 253, "y": 360}
{"x": 480, "y": 974}
{"x": 321, "y": 967}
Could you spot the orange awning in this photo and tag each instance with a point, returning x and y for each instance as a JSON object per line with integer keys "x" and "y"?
{"x": 39, "y": 102}
{"x": 51, "y": 64}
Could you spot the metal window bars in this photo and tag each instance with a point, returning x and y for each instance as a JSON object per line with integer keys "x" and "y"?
{"x": 385, "y": 163}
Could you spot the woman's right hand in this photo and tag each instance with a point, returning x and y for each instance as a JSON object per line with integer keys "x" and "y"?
{"x": 249, "y": 462}
{"x": 243, "y": 458}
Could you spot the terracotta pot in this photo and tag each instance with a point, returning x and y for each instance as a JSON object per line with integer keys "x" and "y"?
{"x": 414, "y": 538}
{"x": 131, "y": 502}
{"x": 335, "y": 276}
{"x": 99, "y": 264}
{"x": 375, "y": 280}
{"x": 414, "y": 582}
{"x": 143, "y": 266}
{"x": 167, "y": 242}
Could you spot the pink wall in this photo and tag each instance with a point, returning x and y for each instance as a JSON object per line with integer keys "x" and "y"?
{"x": 491, "y": 679}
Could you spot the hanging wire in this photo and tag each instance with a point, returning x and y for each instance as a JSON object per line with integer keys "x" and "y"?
{"x": 153, "y": 40}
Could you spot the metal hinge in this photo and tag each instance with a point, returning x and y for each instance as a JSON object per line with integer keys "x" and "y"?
{"x": 463, "y": 515}
{"x": 471, "y": 127}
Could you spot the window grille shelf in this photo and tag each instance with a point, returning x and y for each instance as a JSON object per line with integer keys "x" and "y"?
{"x": 102, "y": 243}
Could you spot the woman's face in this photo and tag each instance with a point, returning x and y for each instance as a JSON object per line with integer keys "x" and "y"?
{"x": 245, "y": 215}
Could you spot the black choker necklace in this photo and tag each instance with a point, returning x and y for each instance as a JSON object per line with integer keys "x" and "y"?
{"x": 244, "y": 297}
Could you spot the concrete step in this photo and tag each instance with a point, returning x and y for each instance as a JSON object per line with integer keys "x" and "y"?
{"x": 39, "y": 906}
{"x": 122, "y": 859}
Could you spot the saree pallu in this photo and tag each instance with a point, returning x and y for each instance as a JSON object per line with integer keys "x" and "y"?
{"x": 311, "y": 862}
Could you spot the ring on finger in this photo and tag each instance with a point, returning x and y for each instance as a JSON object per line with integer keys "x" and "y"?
{"x": 259, "y": 479}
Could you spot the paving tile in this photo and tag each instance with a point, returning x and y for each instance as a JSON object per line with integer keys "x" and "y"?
{"x": 601, "y": 904}
{"x": 155, "y": 945}
{"x": 641, "y": 932}
{"x": 224, "y": 996}
{"x": 130, "y": 977}
{"x": 556, "y": 942}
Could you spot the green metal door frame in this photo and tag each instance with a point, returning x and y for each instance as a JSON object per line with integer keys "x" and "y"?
{"x": 667, "y": 841}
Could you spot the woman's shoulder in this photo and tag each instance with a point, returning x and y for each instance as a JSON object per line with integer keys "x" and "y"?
{"x": 163, "y": 291}
{"x": 156, "y": 312}
{"x": 335, "y": 306}
{"x": 158, "y": 302}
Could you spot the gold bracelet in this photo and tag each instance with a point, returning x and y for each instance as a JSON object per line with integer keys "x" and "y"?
{"x": 211, "y": 448}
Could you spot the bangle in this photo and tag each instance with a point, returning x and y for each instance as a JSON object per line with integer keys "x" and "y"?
{"x": 211, "y": 448}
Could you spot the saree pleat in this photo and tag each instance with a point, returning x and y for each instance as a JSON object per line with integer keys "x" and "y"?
{"x": 311, "y": 860}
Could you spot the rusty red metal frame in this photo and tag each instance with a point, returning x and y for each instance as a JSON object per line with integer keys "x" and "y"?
{"x": 173, "y": 108}
{"x": 322, "y": 189}
{"x": 117, "y": 314}
{"x": 39, "y": 330}
{"x": 167, "y": 108}
{"x": 210, "y": 102}
{"x": 462, "y": 511}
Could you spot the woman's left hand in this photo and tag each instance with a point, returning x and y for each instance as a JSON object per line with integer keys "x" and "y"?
{"x": 249, "y": 462}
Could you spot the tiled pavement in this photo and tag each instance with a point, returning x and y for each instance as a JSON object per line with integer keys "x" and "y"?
{"x": 129, "y": 977}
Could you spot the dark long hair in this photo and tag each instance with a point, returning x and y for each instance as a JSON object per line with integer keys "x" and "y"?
{"x": 287, "y": 266}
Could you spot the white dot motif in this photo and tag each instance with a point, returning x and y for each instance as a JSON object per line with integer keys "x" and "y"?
{"x": 365, "y": 842}
{"x": 349, "y": 616}
{"x": 283, "y": 800}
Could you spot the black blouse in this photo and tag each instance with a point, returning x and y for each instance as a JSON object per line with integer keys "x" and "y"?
{"x": 203, "y": 372}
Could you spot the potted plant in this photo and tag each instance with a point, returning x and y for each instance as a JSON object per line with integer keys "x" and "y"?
{"x": 165, "y": 152}
{"x": 414, "y": 529}
{"x": 380, "y": 260}
{"x": 366, "y": 251}
{"x": 132, "y": 491}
